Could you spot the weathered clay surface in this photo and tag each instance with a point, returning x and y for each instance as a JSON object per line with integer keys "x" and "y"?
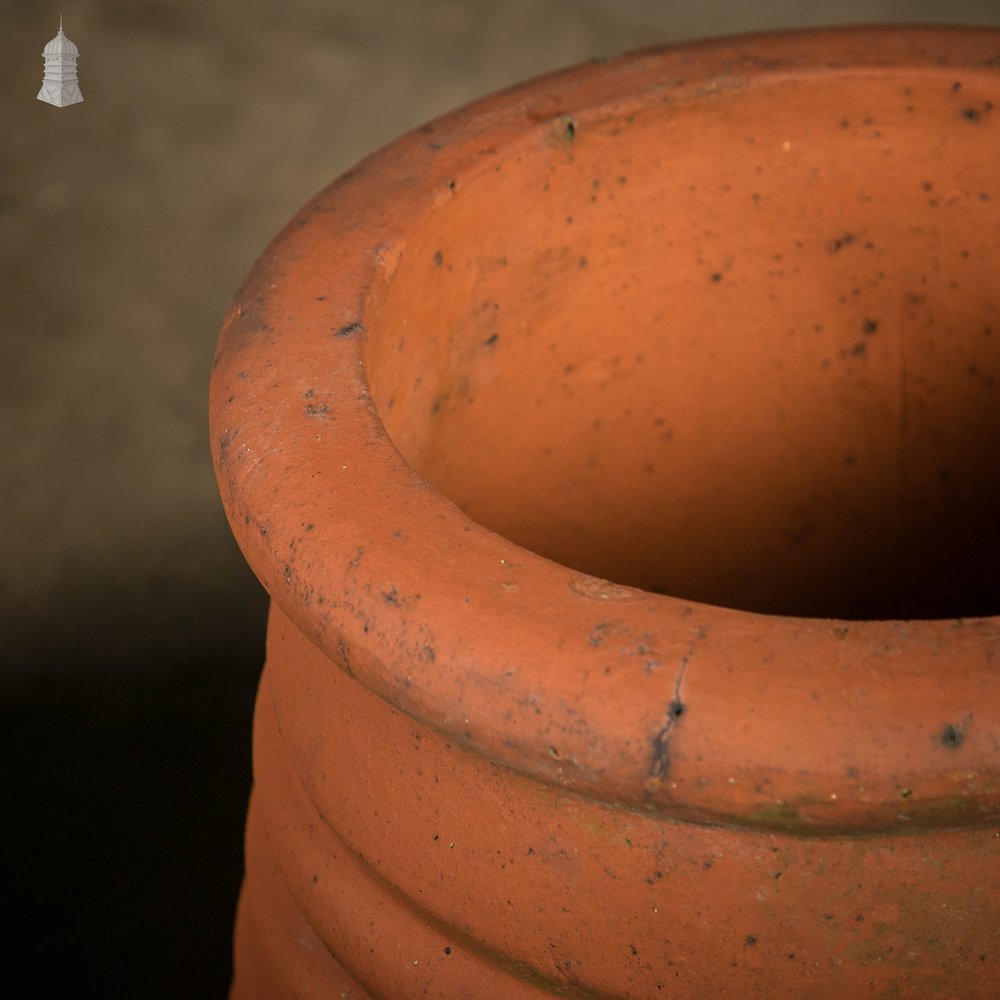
{"x": 719, "y": 324}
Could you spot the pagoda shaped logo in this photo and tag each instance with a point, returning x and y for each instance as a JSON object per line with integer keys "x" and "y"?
{"x": 59, "y": 85}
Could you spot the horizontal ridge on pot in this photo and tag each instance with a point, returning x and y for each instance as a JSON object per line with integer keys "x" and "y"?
{"x": 633, "y": 433}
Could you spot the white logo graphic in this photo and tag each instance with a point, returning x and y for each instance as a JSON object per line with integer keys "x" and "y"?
{"x": 59, "y": 86}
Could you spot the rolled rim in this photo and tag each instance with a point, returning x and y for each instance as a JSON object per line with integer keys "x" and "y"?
{"x": 812, "y": 726}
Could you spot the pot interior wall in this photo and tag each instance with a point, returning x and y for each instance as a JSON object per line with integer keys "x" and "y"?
{"x": 740, "y": 345}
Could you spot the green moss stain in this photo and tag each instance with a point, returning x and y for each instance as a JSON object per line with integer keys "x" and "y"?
{"x": 783, "y": 815}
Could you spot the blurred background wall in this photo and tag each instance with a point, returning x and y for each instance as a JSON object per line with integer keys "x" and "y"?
{"x": 132, "y": 633}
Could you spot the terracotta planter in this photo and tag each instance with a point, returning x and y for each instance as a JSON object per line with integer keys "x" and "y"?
{"x": 719, "y": 323}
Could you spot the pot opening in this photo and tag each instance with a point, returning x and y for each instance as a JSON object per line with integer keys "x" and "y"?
{"x": 741, "y": 347}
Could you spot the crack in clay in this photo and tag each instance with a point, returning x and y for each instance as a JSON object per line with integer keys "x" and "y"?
{"x": 660, "y": 762}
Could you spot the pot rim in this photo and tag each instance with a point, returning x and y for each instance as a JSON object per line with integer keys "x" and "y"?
{"x": 503, "y": 650}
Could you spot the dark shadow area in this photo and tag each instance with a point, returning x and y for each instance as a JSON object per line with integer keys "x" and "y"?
{"x": 127, "y": 791}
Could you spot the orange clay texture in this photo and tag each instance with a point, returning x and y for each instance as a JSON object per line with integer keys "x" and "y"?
{"x": 620, "y": 454}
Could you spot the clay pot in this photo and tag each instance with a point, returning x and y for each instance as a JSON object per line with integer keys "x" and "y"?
{"x": 620, "y": 455}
